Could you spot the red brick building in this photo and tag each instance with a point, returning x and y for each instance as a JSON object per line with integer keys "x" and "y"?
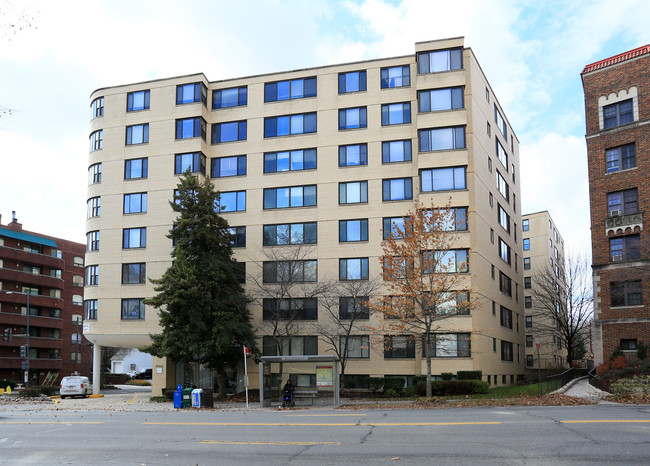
{"x": 617, "y": 110}
{"x": 51, "y": 271}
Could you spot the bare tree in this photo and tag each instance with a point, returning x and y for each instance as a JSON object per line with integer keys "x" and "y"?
{"x": 564, "y": 310}
{"x": 424, "y": 277}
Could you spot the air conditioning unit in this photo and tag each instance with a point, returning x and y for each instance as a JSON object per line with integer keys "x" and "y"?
{"x": 617, "y": 257}
{"x": 615, "y": 213}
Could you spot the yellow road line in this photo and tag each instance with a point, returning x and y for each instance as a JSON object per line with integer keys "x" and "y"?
{"x": 597, "y": 421}
{"x": 133, "y": 399}
{"x": 333, "y": 424}
{"x": 232, "y": 442}
{"x": 51, "y": 422}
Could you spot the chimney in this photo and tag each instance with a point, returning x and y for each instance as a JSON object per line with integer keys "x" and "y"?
{"x": 14, "y": 225}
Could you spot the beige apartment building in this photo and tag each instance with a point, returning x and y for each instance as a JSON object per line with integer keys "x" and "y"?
{"x": 334, "y": 153}
{"x": 543, "y": 249}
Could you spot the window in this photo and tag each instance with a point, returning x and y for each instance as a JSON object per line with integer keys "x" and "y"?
{"x": 353, "y": 230}
{"x": 290, "y": 309}
{"x": 135, "y": 168}
{"x": 228, "y": 132}
{"x": 290, "y": 346}
{"x": 294, "y": 196}
{"x": 137, "y": 134}
{"x": 501, "y": 123}
{"x": 489, "y": 130}
{"x": 442, "y": 138}
{"x": 528, "y": 302}
{"x": 450, "y": 261}
{"x": 133, "y": 309}
{"x": 504, "y": 251}
{"x": 353, "y": 269}
{"x": 355, "y": 346}
{"x": 134, "y": 238}
{"x": 506, "y": 351}
{"x": 92, "y": 241}
{"x": 624, "y": 248}
{"x": 394, "y": 226}
{"x": 525, "y": 225}
{"x": 304, "y": 159}
{"x": 440, "y": 99}
{"x": 189, "y": 93}
{"x": 233, "y": 97}
{"x": 396, "y": 76}
{"x": 505, "y": 284}
{"x": 627, "y": 293}
{"x": 399, "y": 346}
{"x": 353, "y": 154}
{"x": 526, "y": 244}
{"x": 238, "y": 235}
{"x": 351, "y": 118}
{"x": 528, "y": 281}
{"x": 290, "y": 233}
{"x": 449, "y": 345}
{"x": 353, "y": 307}
{"x": 396, "y": 114}
{"x": 78, "y": 261}
{"x": 96, "y": 140}
{"x": 135, "y": 203}
{"x": 397, "y": 189}
{"x": 239, "y": 270}
{"x": 503, "y": 218}
{"x": 290, "y": 271}
{"x": 290, "y": 124}
{"x": 354, "y": 81}
{"x": 231, "y": 201}
{"x": 193, "y": 161}
{"x": 396, "y": 151}
{"x": 456, "y": 220}
{"x": 622, "y": 202}
{"x": 97, "y": 108}
{"x": 228, "y": 166}
{"x": 453, "y": 303}
{"x": 440, "y": 60}
{"x": 502, "y": 186}
{"x": 353, "y": 192}
{"x": 90, "y": 309}
{"x": 291, "y": 89}
{"x": 92, "y": 275}
{"x": 618, "y": 114}
{"x": 134, "y": 273}
{"x": 501, "y": 154}
{"x": 442, "y": 179}
{"x": 137, "y": 101}
{"x": 190, "y": 128}
{"x": 93, "y": 207}
{"x": 529, "y": 321}
{"x": 619, "y": 158}
{"x": 95, "y": 173}
{"x": 628, "y": 344}
{"x": 529, "y": 360}
{"x": 529, "y": 341}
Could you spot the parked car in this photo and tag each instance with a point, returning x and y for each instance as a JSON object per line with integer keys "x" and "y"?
{"x": 74, "y": 385}
{"x": 144, "y": 375}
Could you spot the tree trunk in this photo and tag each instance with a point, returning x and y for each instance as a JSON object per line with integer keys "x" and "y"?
{"x": 428, "y": 355}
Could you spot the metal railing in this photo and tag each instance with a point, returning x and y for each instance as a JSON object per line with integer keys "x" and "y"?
{"x": 551, "y": 383}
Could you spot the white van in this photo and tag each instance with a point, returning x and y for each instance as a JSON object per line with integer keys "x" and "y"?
{"x": 74, "y": 385}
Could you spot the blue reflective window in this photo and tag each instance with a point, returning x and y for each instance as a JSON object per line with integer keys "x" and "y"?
{"x": 135, "y": 168}
{"x": 135, "y": 203}
{"x": 396, "y": 151}
{"x": 354, "y": 192}
{"x": 350, "y": 118}
{"x": 396, "y": 76}
{"x": 353, "y": 81}
{"x": 394, "y": 226}
{"x": 234, "y": 97}
{"x": 134, "y": 238}
{"x": 189, "y": 93}
{"x": 137, "y": 101}
{"x": 292, "y": 89}
{"x": 193, "y": 161}
{"x": 228, "y": 166}
{"x": 228, "y": 132}
{"x": 353, "y": 154}
{"x": 190, "y": 128}
{"x": 295, "y": 196}
{"x": 96, "y": 140}
{"x": 442, "y": 138}
{"x": 397, "y": 189}
{"x": 304, "y": 159}
{"x": 442, "y": 179}
{"x": 440, "y": 60}
{"x": 353, "y": 230}
{"x": 290, "y": 124}
{"x": 289, "y": 233}
{"x": 137, "y": 134}
{"x": 396, "y": 114}
{"x": 353, "y": 269}
{"x": 232, "y": 201}
{"x": 440, "y": 99}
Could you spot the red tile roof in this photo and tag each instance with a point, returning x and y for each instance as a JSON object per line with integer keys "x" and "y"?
{"x": 616, "y": 59}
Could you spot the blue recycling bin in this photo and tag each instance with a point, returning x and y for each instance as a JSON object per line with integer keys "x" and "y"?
{"x": 178, "y": 397}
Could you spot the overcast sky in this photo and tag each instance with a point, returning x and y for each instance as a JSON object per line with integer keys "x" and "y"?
{"x": 531, "y": 51}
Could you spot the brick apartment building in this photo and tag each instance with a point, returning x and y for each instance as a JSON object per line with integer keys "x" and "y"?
{"x": 51, "y": 271}
{"x": 617, "y": 109}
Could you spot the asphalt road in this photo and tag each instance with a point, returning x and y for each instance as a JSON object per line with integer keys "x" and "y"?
{"x": 532, "y": 435}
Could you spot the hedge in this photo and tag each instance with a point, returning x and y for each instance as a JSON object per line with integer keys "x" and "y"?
{"x": 469, "y": 375}
{"x": 394, "y": 383}
{"x": 454, "y": 387}
{"x": 375, "y": 384}
{"x": 4, "y": 383}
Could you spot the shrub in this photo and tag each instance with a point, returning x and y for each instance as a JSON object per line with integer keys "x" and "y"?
{"x": 619, "y": 363}
{"x": 628, "y": 370}
{"x": 394, "y": 383}
{"x": 158, "y": 399}
{"x": 634, "y": 385}
{"x": 164, "y": 390}
{"x": 602, "y": 369}
{"x": 4, "y": 383}
{"x": 458, "y": 387}
{"x": 350, "y": 383}
{"x": 616, "y": 353}
{"x": 642, "y": 351}
{"x": 469, "y": 375}
{"x": 31, "y": 392}
{"x": 390, "y": 393}
{"x": 375, "y": 384}
{"x": 419, "y": 378}
{"x": 422, "y": 388}
{"x": 618, "y": 372}
{"x": 446, "y": 375}
{"x": 168, "y": 394}
{"x": 411, "y": 390}
{"x": 49, "y": 391}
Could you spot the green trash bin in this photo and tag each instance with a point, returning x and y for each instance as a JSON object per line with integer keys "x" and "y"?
{"x": 187, "y": 397}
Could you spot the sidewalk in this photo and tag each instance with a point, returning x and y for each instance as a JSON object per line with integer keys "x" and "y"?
{"x": 580, "y": 388}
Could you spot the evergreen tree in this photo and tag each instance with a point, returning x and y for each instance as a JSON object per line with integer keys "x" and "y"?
{"x": 202, "y": 306}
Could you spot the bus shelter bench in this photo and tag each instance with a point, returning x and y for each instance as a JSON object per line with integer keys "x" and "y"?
{"x": 311, "y": 394}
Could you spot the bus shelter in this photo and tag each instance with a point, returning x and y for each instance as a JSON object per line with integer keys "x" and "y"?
{"x": 315, "y": 378}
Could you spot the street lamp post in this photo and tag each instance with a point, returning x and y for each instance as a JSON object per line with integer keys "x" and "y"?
{"x": 26, "y": 338}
